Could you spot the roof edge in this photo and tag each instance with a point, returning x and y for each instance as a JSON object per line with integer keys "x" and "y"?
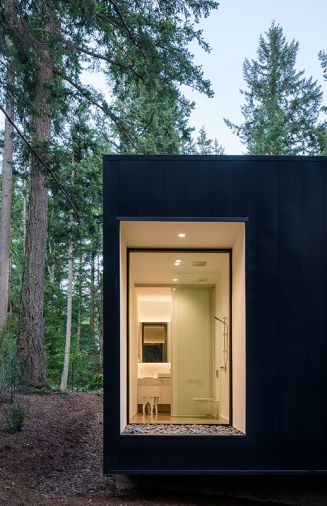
{"x": 217, "y": 158}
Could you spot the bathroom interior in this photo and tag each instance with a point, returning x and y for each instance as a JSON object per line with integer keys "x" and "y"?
{"x": 179, "y": 336}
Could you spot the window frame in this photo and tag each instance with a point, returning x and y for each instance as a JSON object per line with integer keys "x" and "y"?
{"x": 229, "y": 251}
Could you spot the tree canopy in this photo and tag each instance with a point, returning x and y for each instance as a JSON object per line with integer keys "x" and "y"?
{"x": 63, "y": 127}
{"x": 281, "y": 106}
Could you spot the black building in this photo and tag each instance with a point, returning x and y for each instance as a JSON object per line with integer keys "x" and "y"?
{"x": 215, "y": 314}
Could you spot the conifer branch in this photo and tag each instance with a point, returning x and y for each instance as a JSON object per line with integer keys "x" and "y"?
{"x": 124, "y": 25}
{"x": 103, "y": 107}
{"x": 40, "y": 159}
{"x": 99, "y": 56}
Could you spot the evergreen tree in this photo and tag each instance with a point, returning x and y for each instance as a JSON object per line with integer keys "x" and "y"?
{"x": 6, "y": 202}
{"x": 281, "y": 106}
{"x": 206, "y": 146}
{"x": 157, "y": 117}
{"x": 323, "y": 126}
{"x": 145, "y": 43}
{"x": 71, "y": 246}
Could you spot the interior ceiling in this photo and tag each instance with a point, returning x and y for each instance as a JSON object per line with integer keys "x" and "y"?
{"x": 164, "y": 234}
{"x": 156, "y": 267}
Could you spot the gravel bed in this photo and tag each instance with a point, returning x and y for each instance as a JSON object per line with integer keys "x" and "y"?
{"x": 165, "y": 429}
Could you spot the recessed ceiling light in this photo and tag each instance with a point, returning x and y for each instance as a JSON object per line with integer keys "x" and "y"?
{"x": 181, "y": 234}
{"x": 178, "y": 261}
{"x": 177, "y": 264}
{"x": 175, "y": 280}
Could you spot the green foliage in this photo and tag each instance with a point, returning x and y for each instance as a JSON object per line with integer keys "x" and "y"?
{"x": 143, "y": 50}
{"x": 206, "y": 146}
{"x": 13, "y": 417}
{"x": 81, "y": 155}
{"x": 322, "y": 130}
{"x": 84, "y": 366}
{"x": 157, "y": 117}
{"x": 97, "y": 382}
{"x": 142, "y": 46}
{"x": 281, "y": 106}
{"x": 8, "y": 363}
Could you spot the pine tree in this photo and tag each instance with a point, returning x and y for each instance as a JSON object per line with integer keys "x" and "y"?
{"x": 206, "y": 146}
{"x": 281, "y": 106}
{"x": 323, "y": 126}
{"x": 72, "y": 351}
{"x": 157, "y": 117}
{"x": 146, "y": 43}
{"x": 6, "y": 200}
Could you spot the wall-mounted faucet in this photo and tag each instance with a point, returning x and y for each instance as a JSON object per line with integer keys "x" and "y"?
{"x": 225, "y": 336}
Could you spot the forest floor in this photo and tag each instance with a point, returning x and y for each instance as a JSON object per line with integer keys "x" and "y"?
{"x": 57, "y": 459}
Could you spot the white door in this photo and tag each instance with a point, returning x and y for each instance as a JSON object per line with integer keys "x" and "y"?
{"x": 192, "y": 348}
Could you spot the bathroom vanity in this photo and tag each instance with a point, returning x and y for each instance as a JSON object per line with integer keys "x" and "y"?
{"x": 154, "y": 390}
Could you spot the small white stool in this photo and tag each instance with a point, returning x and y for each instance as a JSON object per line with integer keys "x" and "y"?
{"x": 151, "y": 395}
{"x": 148, "y": 394}
{"x": 152, "y": 402}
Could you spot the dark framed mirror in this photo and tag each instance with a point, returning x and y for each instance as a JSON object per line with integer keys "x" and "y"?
{"x": 154, "y": 342}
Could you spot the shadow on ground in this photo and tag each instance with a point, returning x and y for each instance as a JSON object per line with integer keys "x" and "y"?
{"x": 57, "y": 459}
{"x": 290, "y": 490}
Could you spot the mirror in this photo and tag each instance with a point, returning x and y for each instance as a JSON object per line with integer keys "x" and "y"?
{"x": 154, "y": 342}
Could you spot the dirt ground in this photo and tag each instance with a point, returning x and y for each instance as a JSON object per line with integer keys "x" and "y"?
{"x": 57, "y": 459}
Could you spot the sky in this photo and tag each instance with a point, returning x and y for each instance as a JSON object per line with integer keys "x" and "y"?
{"x": 233, "y": 33}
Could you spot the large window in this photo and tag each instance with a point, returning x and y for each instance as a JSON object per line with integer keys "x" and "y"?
{"x": 179, "y": 336}
{"x": 183, "y": 341}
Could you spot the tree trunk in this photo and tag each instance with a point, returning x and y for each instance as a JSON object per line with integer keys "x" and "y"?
{"x": 30, "y": 341}
{"x": 50, "y": 259}
{"x": 79, "y": 329}
{"x": 64, "y": 376}
{"x": 25, "y": 191}
{"x": 79, "y": 323}
{"x": 92, "y": 294}
{"x": 6, "y": 204}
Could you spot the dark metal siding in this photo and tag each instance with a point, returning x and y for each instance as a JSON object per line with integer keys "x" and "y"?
{"x": 286, "y": 305}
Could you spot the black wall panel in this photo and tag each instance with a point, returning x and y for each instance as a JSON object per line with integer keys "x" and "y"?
{"x": 285, "y": 200}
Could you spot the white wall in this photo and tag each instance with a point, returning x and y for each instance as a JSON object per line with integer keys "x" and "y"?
{"x": 132, "y": 349}
{"x": 239, "y": 336}
{"x": 222, "y": 310}
{"x": 216, "y": 236}
{"x": 123, "y": 335}
{"x": 217, "y": 340}
{"x": 154, "y": 304}
{"x": 154, "y": 311}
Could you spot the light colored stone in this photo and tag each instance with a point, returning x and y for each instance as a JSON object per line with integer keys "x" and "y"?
{"x": 165, "y": 429}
